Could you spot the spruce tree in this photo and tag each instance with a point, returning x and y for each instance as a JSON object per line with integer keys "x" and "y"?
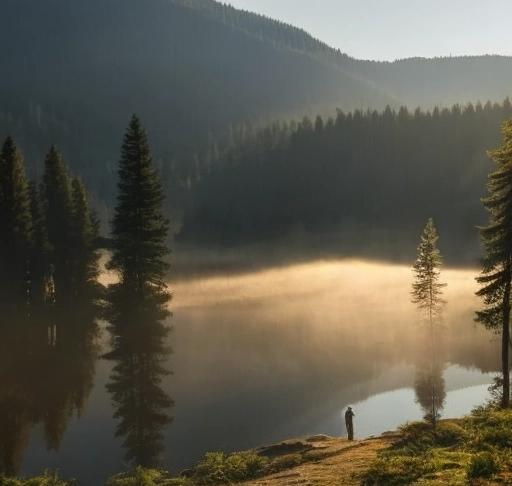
{"x": 40, "y": 269}
{"x": 15, "y": 227}
{"x": 496, "y": 276}
{"x": 427, "y": 291}
{"x": 59, "y": 216}
{"x": 139, "y": 229}
{"x": 85, "y": 231}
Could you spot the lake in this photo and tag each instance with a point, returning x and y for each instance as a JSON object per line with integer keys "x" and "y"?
{"x": 280, "y": 353}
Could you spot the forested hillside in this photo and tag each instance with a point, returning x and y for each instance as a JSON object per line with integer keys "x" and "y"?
{"x": 191, "y": 69}
{"x": 79, "y": 69}
{"x": 203, "y": 76}
{"x": 364, "y": 182}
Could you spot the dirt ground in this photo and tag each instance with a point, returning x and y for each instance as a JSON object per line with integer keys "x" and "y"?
{"x": 338, "y": 461}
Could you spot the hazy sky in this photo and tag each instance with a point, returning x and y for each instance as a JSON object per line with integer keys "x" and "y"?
{"x": 395, "y": 29}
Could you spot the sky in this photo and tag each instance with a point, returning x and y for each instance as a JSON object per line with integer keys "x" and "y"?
{"x": 387, "y": 30}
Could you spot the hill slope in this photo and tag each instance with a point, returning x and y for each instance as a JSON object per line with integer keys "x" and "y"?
{"x": 185, "y": 69}
{"x": 191, "y": 69}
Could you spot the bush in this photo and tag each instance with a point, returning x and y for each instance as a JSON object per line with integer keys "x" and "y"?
{"x": 48, "y": 478}
{"x": 448, "y": 434}
{"x": 390, "y": 470}
{"x": 286, "y": 462}
{"x": 482, "y": 465}
{"x": 218, "y": 468}
{"x": 141, "y": 476}
{"x": 416, "y": 437}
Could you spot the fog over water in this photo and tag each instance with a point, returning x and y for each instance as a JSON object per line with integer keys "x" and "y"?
{"x": 279, "y": 353}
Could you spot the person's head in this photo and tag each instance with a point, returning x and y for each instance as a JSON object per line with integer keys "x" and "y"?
{"x": 350, "y": 408}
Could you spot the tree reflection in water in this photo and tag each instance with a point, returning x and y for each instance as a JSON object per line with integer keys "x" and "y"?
{"x": 45, "y": 377}
{"x": 139, "y": 352}
{"x": 429, "y": 383}
{"x": 429, "y": 386}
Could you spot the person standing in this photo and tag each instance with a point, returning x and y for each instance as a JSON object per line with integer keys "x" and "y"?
{"x": 349, "y": 423}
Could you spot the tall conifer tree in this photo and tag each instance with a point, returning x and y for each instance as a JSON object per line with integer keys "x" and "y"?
{"x": 139, "y": 229}
{"x": 427, "y": 294}
{"x": 496, "y": 277}
{"x": 85, "y": 230}
{"x": 427, "y": 290}
{"x": 15, "y": 226}
{"x": 59, "y": 217}
{"x": 40, "y": 271}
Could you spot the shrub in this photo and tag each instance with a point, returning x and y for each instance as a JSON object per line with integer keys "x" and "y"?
{"x": 482, "y": 465}
{"x": 218, "y": 468}
{"x": 448, "y": 434}
{"x": 390, "y": 470}
{"x": 286, "y": 462}
{"x": 141, "y": 476}
{"x": 48, "y": 478}
{"x": 416, "y": 437}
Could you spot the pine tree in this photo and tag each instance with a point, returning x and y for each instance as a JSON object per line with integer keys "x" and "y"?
{"x": 496, "y": 277}
{"x": 15, "y": 227}
{"x": 426, "y": 289}
{"x": 59, "y": 217}
{"x": 85, "y": 231}
{"x": 139, "y": 229}
{"x": 40, "y": 270}
{"x": 427, "y": 293}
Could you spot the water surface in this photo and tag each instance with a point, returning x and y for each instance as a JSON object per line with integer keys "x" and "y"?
{"x": 280, "y": 353}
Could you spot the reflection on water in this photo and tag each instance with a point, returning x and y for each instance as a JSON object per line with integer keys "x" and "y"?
{"x": 46, "y": 377}
{"x": 256, "y": 358}
{"x": 139, "y": 353}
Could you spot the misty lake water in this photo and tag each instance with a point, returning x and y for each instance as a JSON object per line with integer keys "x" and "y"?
{"x": 280, "y": 353}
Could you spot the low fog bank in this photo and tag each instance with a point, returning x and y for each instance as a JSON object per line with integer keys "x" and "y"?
{"x": 274, "y": 353}
{"x": 397, "y": 245}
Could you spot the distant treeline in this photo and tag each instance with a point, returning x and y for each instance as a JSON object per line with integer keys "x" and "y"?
{"x": 360, "y": 173}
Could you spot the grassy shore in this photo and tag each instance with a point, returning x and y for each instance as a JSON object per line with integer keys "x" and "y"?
{"x": 474, "y": 450}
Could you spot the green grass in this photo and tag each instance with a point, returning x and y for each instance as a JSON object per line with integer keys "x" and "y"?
{"x": 476, "y": 450}
{"x": 471, "y": 450}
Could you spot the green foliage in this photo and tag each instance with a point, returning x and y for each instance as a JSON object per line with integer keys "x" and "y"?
{"x": 496, "y": 277}
{"x": 391, "y": 470}
{"x": 491, "y": 429}
{"x": 141, "y": 476}
{"x": 483, "y": 465}
{"x": 139, "y": 229}
{"x": 418, "y": 437}
{"x": 450, "y": 434}
{"x": 426, "y": 288}
{"x": 48, "y": 478}
{"x": 218, "y": 468}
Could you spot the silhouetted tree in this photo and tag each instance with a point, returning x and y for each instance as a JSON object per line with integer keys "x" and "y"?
{"x": 59, "y": 216}
{"x": 85, "y": 231}
{"x": 15, "y": 227}
{"x": 139, "y": 229}
{"x": 40, "y": 269}
{"x": 496, "y": 277}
